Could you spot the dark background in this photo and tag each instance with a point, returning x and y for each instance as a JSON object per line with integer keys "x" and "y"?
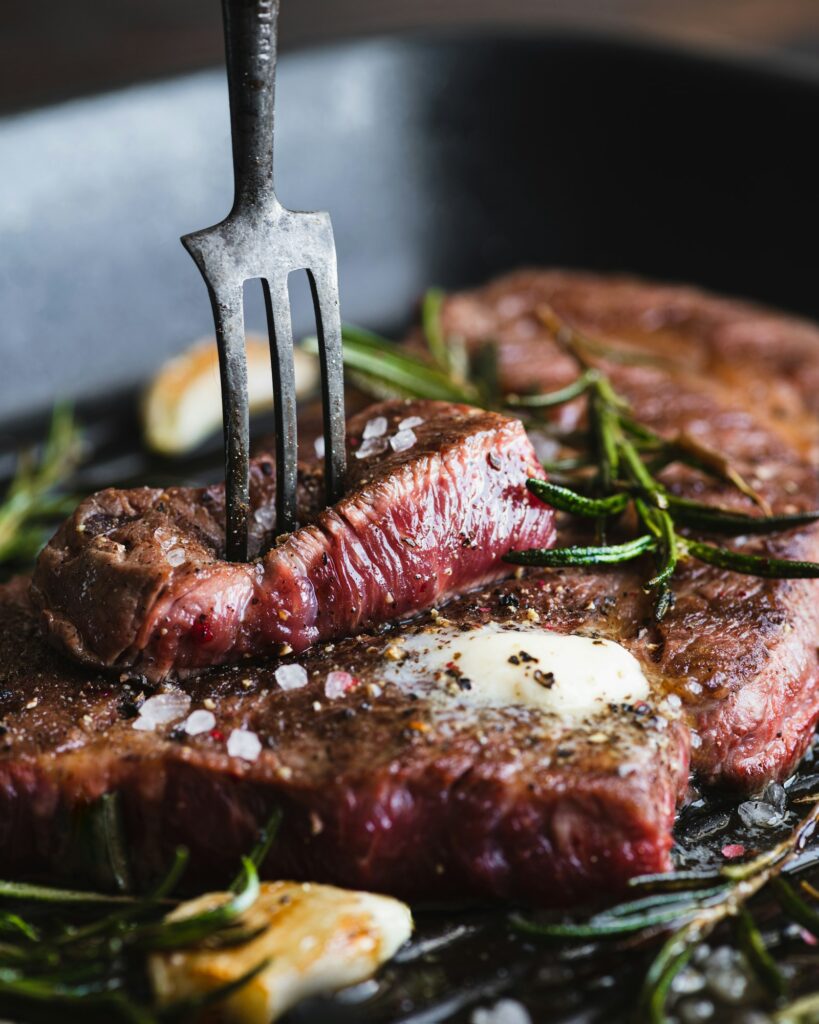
{"x": 51, "y": 49}
{"x": 436, "y": 166}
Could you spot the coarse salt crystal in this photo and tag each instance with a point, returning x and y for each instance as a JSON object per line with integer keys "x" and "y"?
{"x": 410, "y": 422}
{"x": 199, "y": 721}
{"x": 176, "y": 556}
{"x": 245, "y": 744}
{"x": 403, "y": 440}
{"x": 265, "y": 516}
{"x": 318, "y": 446}
{"x": 337, "y": 684}
{"x": 505, "y": 1011}
{"x": 161, "y": 709}
{"x": 759, "y": 814}
{"x": 373, "y": 446}
{"x": 375, "y": 428}
{"x": 291, "y": 677}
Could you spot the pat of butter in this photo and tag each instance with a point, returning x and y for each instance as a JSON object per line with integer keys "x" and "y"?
{"x": 570, "y": 675}
{"x": 317, "y": 938}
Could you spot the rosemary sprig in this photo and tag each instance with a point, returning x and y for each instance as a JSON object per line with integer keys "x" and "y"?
{"x": 713, "y": 519}
{"x": 692, "y": 910}
{"x": 622, "y": 454}
{"x": 95, "y": 960}
{"x": 626, "y": 456}
{"x": 387, "y": 369}
{"x": 550, "y": 399}
{"x": 32, "y": 495}
{"x": 190, "y": 931}
{"x": 610, "y": 554}
{"x": 617, "y": 461}
{"x": 433, "y": 328}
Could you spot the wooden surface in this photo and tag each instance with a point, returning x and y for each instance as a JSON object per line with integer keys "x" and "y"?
{"x": 52, "y": 50}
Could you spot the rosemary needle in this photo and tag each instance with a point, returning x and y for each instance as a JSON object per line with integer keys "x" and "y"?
{"x": 598, "y": 555}
{"x": 549, "y": 399}
{"x": 431, "y": 308}
{"x": 752, "y": 565}
{"x": 30, "y": 498}
{"x": 567, "y": 500}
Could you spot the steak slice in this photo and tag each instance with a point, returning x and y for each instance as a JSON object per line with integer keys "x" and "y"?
{"x": 135, "y": 579}
{"x": 740, "y": 652}
{"x": 407, "y": 789}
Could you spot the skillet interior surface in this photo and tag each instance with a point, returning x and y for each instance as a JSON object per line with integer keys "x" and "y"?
{"x": 441, "y": 161}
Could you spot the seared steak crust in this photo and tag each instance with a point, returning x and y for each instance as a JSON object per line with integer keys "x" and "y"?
{"x": 739, "y": 651}
{"x": 408, "y": 790}
{"x": 136, "y": 578}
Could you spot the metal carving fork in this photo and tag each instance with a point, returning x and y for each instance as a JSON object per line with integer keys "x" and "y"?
{"x": 260, "y": 239}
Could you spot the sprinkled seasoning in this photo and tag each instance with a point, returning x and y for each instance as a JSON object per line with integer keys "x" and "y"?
{"x": 176, "y": 556}
{"x": 376, "y": 427}
{"x": 162, "y": 709}
{"x": 244, "y": 744}
{"x": 409, "y": 422}
{"x": 403, "y": 440}
{"x": 505, "y": 1011}
{"x": 291, "y": 677}
{"x": 374, "y": 446}
{"x": 338, "y": 684}
{"x": 199, "y": 721}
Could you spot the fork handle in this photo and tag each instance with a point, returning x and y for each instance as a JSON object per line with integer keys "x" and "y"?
{"x": 250, "y": 50}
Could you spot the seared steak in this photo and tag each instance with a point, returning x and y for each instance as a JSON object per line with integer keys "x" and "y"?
{"x": 740, "y": 652}
{"x": 404, "y": 789}
{"x": 436, "y": 498}
{"x": 409, "y": 787}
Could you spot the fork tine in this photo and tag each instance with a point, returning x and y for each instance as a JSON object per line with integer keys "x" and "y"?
{"x": 229, "y": 320}
{"x": 324, "y": 286}
{"x": 277, "y": 304}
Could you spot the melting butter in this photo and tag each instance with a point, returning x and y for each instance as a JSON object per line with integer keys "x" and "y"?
{"x": 570, "y": 675}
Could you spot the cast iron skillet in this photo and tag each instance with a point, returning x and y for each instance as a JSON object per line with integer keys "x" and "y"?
{"x": 443, "y": 161}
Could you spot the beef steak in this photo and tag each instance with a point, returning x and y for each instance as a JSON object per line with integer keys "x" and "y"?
{"x": 740, "y": 652}
{"x": 403, "y": 788}
{"x": 136, "y": 579}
